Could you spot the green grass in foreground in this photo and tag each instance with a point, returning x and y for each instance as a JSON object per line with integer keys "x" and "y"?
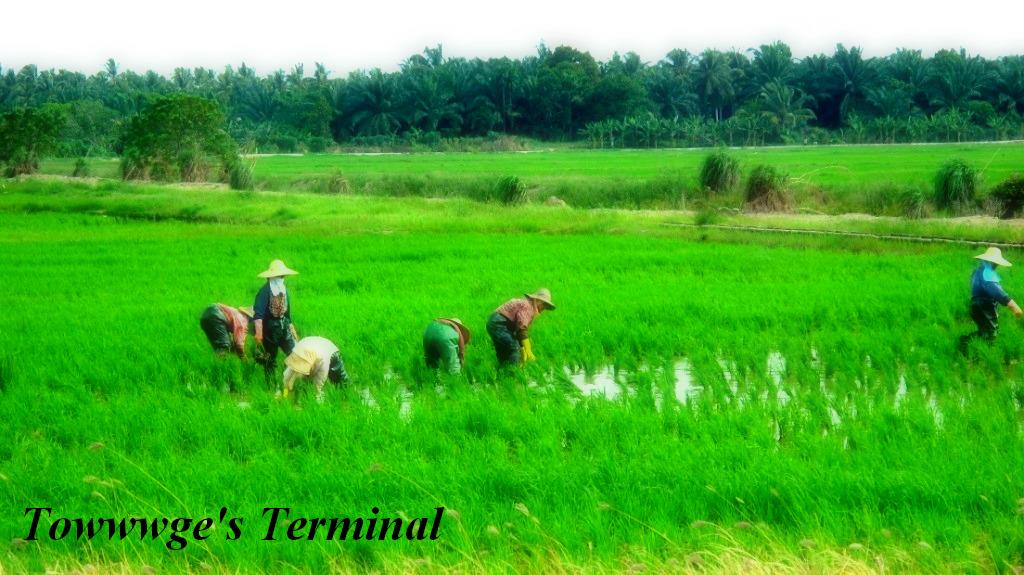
{"x": 826, "y": 404}
{"x": 832, "y": 179}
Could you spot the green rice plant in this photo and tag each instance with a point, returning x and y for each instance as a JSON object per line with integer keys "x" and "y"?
{"x": 81, "y": 168}
{"x": 766, "y": 190}
{"x": 1009, "y": 195}
{"x": 719, "y": 173}
{"x": 956, "y": 185}
{"x": 913, "y": 203}
{"x": 511, "y": 191}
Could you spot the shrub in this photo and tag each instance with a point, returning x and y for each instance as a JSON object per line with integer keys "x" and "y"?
{"x": 766, "y": 190}
{"x": 240, "y": 176}
{"x": 337, "y": 184}
{"x": 81, "y": 169}
{"x": 177, "y": 136}
{"x": 720, "y": 173}
{"x": 26, "y": 135}
{"x": 286, "y": 144}
{"x": 511, "y": 191}
{"x": 913, "y": 203}
{"x": 956, "y": 185}
{"x": 317, "y": 144}
{"x": 1009, "y": 194}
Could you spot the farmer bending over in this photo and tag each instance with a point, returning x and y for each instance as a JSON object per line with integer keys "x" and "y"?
{"x": 226, "y": 327}
{"x": 444, "y": 344}
{"x": 273, "y": 315}
{"x": 509, "y": 326}
{"x": 986, "y": 293}
{"x": 314, "y": 359}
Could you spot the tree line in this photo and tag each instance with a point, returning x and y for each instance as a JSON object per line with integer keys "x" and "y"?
{"x": 756, "y": 97}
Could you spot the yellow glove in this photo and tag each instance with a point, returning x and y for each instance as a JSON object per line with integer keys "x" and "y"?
{"x": 528, "y": 351}
{"x": 285, "y": 392}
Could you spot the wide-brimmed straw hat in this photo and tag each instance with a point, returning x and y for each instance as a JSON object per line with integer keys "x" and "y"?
{"x": 301, "y": 361}
{"x": 542, "y": 295}
{"x": 461, "y": 326}
{"x": 247, "y": 310}
{"x": 995, "y": 256}
{"x": 277, "y": 269}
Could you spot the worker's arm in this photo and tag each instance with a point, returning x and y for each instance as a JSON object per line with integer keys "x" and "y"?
{"x": 260, "y": 307}
{"x": 1014, "y": 308}
{"x": 259, "y": 331}
{"x": 295, "y": 332}
{"x": 289, "y": 380}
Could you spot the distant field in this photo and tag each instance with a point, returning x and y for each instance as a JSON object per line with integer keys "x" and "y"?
{"x": 832, "y": 179}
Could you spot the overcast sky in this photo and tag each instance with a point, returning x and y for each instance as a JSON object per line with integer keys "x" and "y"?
{"x": 347, "y": 35}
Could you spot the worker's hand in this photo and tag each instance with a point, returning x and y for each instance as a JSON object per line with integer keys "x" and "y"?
{"x": 528, "y": 351}
{"x": 259, "y": 340}
{"x": 285, "y": 392}
{"x": 1015, "y": 308}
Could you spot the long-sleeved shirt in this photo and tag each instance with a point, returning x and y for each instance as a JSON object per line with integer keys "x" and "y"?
{"x": 262, "y": 308}
{"x": 324, "y": 349}
{"x": 238, "y": 324}
{"x": 521, "y": 312}
{"x": 985, "y": 288}
{"x": 462, "y": 338}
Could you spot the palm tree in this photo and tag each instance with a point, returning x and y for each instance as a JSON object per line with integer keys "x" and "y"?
{"x": 715, "y": 81}
{"x": 957, "y": 79}
{"x": 785, "y": 107}
{"x": 854, "y": 77}
{"x": 772, "y": 62}
{"x": 372, "y": 108}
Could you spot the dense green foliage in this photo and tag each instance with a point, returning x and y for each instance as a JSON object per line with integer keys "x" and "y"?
{"x": 510, "y": 190}
{"x": 754, "y": 97}
{"x": 178, "y": 137}
{"x": 719, "y": 173}
{"x": 821, "y": 403}
{"x": 956, "y": 186}
{"x": 766, "y": 190}
{"x": 1010, "y": 195}
{"x": 26, "y": 136}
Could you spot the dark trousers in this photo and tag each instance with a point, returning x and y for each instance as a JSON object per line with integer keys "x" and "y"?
{"x": 986, "y": 318}
{"x": 506, "y": 346}
{"x": 215, "y": 326}
{"x": 336, "y": 370}
{"x": 277, "y": 334}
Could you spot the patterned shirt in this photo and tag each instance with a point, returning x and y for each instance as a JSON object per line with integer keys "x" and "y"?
{"x": 521, "y": 312}
{"x": 238, "y": 324}
{"x": 985, "y": 288}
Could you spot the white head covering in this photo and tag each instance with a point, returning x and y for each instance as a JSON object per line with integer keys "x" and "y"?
{"x": 277, "y": 285}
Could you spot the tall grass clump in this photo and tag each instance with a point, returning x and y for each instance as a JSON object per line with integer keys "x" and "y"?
{"x": 913, "y": 203}
{"x": 511, "y": 191}
{"x": 956, "y": 185}
{"x": 240, "y": 176}
{"x": 1009, "y": 195}
{"x": 766, "y": 190}
{"x": 81, "y": 169}
{"x": 337, "y": 184}
{"x": 720, "y": 173}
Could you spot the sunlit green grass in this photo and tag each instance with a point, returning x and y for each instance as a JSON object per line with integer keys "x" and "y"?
{"x": 833, "y": 179}
{"x": 114, "y": 405}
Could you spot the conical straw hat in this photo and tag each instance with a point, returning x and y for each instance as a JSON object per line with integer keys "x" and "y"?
{"x": 995, "y": 256}
{"x": 277, "y": 269}
{"x": 301, "y": 360}
{"x": 461, "y": 326}
{"x": 542, "y": 295}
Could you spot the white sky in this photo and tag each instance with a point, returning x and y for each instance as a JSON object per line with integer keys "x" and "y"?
{"x": 350, "y": 34}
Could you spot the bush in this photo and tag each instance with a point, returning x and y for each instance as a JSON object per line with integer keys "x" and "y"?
{"x": 913, "y": 203}
{"x": 81, "y": 169}
{"x": 337, "y": 184}
{"x": 766, "y": 190}
{"x": 286, "y": 144}
{"x": 956, "y": 185}
{"x": 317, "y": 144}
{"x": 240, "y": 176}
{"x": 511, "y": 191}
{"x": 720, "y": 173}
{"x": 1009, "y": 194}
{"x": 28, "y": 134}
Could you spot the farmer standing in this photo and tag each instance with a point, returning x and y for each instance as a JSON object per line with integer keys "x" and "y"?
{"x": 273, "y": 315}
{"x": 444, "y": 344}
{"x": 226, "y": 327}
{"x": 316, "y": 360}
{"x": 986, "y": 293}
{"x": 509, "y": 326}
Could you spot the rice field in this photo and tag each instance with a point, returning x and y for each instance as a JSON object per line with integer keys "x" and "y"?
{"x": 702, "y": 401}
{"x": 829, "y": 179}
